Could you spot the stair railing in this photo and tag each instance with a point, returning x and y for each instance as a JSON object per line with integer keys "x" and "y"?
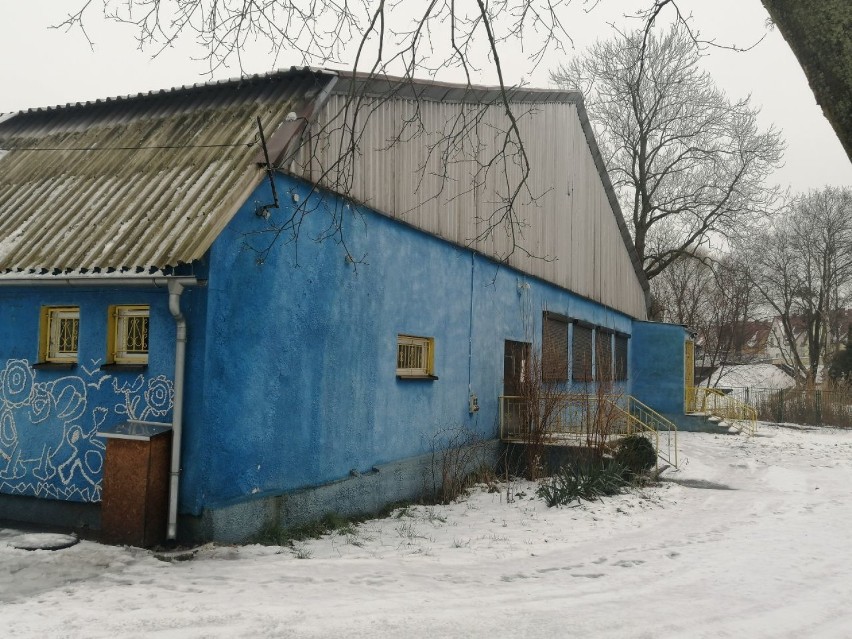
{"x": 593, "y": 420}
{"x": 661, "y": 424}
{"x": 715, "y": 402}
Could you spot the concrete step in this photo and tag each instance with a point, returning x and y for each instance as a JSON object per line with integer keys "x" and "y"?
{"x": 698, "y": 423}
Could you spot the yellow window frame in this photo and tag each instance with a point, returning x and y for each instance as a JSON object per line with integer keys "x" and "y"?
{"x": 119, "y": 323}
{"x": 415, "y": 356}
{"x": 59, "y": 334}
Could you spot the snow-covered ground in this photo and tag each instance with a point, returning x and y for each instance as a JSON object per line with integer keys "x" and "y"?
{"x": 751, "y": 538}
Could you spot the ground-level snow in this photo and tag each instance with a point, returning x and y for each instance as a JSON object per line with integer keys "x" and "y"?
{"x": 36, "y": 541}
{"x": 750, "y": 538}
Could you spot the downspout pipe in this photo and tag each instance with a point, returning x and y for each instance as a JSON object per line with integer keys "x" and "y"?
{"x": 176, "y": 288}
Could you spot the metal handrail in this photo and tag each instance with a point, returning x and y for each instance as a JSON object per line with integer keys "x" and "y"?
{"x": 563, "y": 414}
{"x": 568, "y": 415}
{"x": 658, "y": 422}
{"x": 644, "y": 429}
{"x": 723, "y": 405}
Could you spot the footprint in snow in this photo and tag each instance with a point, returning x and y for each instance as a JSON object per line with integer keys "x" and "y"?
{"x": 555, "y": 568}
{"x": 520, "y": 575}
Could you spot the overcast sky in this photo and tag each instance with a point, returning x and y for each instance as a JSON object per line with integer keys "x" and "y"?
{"x": 43, "y": 67}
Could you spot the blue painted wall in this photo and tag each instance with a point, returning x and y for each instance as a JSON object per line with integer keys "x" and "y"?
{"x": 291, "y": 371}
{"x": 300, "y": 360}
{"x": 656, "y": 364}
{"x": 49, "y": 418}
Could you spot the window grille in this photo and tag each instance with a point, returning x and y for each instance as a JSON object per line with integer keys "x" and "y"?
{"x": 414, "y": 356}
{"x": 581, "y": 346}
{"x": 60, "y": 336}
{"x": 130, "y": 336}
{"x": 554, "y": 348}
{"x": 620, "y": 358}
{"x": 603, "y": 355}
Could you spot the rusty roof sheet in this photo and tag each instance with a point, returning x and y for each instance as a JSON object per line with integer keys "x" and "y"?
{"x": 139, "y": 182}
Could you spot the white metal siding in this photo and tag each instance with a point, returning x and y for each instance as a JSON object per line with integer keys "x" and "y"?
{"x": 570, "y": 231}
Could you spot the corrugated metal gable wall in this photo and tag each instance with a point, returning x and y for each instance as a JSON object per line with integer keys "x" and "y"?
{"x": 569, "y": 234}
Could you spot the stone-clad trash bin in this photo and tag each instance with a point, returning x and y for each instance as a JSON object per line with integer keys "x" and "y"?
{"x": 135, "y": 492}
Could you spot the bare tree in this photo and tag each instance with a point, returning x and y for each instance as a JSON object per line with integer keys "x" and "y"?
{"x": 322, "y": 30}
{"x": 372, "y": 38}
{"x": 801, "y": 268}
{"x": 690, "y": 191}
{"x": 682, "y": 293}
{"x": 375, "y": 37}
{"x": 686, "y": 161}
{"x": 715, "y": 298}
{"x": 361, "y": 34}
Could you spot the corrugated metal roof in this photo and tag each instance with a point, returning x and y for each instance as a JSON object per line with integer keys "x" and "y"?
{"x": 149, "y": 180}
{"x": 139, "y": 181}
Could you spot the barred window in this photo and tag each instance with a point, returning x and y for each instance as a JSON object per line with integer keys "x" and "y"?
{"x": 603, "y": 355}
{"x": 620, "y": 358}
{"x": 581, "y": 346}
{"x": 128, "y": 334}
{"x": 60, "y": 331}
{"x": 554, "y": 348}
{"x": 415, "y": 356}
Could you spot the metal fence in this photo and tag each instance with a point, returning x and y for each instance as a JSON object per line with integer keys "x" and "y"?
{"x": 798, "y": 405}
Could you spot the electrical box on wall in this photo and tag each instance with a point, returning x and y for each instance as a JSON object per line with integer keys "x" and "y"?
{"x": 473, "y": 403}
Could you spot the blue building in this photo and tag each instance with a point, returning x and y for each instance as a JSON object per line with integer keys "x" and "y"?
{"x": 313, "y": 278}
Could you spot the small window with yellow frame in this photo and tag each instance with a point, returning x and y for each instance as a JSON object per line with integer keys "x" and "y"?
{"x": 415, "y": 357}
{"x": 59, "y": 334}
{"x": 127, "y": 334}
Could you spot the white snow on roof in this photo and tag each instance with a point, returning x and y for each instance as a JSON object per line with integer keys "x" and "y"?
{"x": 751, "y": 376}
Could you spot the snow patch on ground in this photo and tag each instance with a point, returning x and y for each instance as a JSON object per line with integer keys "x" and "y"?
{"x": 35, "y": 541}
{"x": 748, "y": 538}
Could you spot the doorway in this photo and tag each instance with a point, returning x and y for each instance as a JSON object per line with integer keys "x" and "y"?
{"x": 516, "y": 368}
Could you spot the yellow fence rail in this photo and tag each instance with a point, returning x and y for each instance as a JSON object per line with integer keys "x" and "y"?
{"x": 596, "y": 421}
{"x": 715, "y": 402}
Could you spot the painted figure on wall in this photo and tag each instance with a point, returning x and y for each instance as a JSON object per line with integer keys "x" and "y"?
{"x": 48, "y": 429}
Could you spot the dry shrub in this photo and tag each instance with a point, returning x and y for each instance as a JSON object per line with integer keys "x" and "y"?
{"x": 459, "y": 460}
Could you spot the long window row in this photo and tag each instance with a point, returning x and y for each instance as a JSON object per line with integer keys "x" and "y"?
{"x": 127, "y": 334}
{"x": 595, "y": 354}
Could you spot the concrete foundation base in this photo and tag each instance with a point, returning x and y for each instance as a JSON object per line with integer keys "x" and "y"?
{"x": 52, "y": 513}
{"x": 363, "y": 494}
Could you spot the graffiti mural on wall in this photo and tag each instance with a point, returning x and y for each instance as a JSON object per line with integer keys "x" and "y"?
{"x": 48, "y": 442}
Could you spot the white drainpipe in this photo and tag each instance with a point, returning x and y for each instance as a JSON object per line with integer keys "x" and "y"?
{"x": 176, "y": 287}
{"x": 175, "y": 290}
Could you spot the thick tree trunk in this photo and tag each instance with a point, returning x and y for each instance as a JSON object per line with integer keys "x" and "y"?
{"x": 818, "y": 32}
